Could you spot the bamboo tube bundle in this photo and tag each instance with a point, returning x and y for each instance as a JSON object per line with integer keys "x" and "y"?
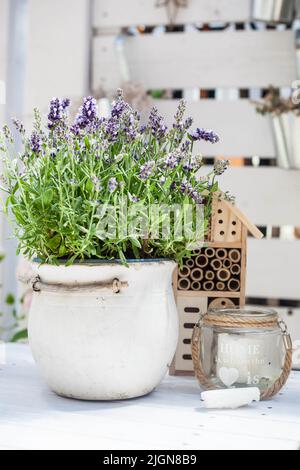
{"x": 235, "y": 269}
{"x": 184, "y": 271}
{"x": 208, "y": 286}
{"x": 221, "y": 253}
{"x": 220, "y": 285}
{"x": 233, "y": 285}
{"x": 210, "y": 252}
{"x": 196, "y": 285}
{"x": 221, "y": 303}
{"x": 184, "y": 283}
{"x": 216, "y": 264}
{"x": 209, "y": 275}
{"x": 234, "y": 255}
{"x": 190, "y": 263}
{"x": 223, "y": 274}
{"x": 196, "y": 252}
{"x": 227, "y": 263}
{"x": 197, "y": 274}
{"x": 201, "y": 261}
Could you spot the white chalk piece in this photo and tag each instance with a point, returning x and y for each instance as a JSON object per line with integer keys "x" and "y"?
{"x": 230, "y": 398}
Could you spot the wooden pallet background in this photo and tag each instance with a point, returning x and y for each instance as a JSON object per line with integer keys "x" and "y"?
{"x": 212, "y": 51}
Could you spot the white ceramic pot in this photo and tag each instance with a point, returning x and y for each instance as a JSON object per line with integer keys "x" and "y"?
{"x": 93, "y": 344}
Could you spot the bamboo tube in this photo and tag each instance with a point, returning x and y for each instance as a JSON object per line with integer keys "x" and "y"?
{"x": 202, "y": 261}
{"x": 184, "y": 272}
{"x": 220, "y": 285}
{"x": 197, "y": 274}
{"x": 221, "y": 253}
{"x": 235, "y": 269}
{"x": 216, "y": 264}
{"x": 210, "y": 252}
{"x": 223, "y": 274}
{"x": 233, "y": 285}
{"x": 234, "y": 255}
{"x": 190, "y": 262}
{"x": 221, "y": 303}
{"x": 196, "y": 285}
{"x": 208, "y": 285}
{"x": 227, "y": 263}
{"x": 209, "y": 275}
{"x": 196, "y": 252}
{"x": 184, "y": 284}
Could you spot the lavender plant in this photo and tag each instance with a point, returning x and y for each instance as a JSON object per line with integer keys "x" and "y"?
{"x": 66, "y": 172}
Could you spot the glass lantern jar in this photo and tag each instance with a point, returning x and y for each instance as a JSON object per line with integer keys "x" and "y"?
{"x": 234, "y": 348}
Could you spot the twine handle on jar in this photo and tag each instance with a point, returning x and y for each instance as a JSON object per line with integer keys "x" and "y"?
{"x": 115, "y": 285}
{"x": 196, "y": 349}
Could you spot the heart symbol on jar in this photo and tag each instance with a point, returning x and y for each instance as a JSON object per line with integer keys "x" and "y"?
{"x": 228, "y": 375}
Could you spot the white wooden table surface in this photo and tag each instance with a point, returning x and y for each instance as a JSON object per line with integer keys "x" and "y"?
{"x": 172, "y": 417}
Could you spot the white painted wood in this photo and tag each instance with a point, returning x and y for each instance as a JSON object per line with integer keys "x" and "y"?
{"x": 172, "y": 417}
{"x": 111, "y": 13}
{"x": 3, "y": 48}
{"x": 207, "y": 60}
{"x": 58, "y": 62}
{"x": 242, "y": 131}
{"x": 273, "y": 269}
{"x": 268, "y": 196}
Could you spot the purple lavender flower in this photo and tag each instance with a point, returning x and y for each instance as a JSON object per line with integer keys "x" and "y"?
{"x": 191, "y": 192}
{"x": 156, "y": 124}
{"x": 173, "y": 186}
{"x": 56, "y": 114}
{"x": 112, "y": 129}
{"x": 173, "y": 159}
{"x": 133, "y": 198}
{"x": 87, "y": 114}
{"x": 35, "y": 142}
{"x": 185, "y": 147}
{"x": 220, "y": 166}
{"x": 112, "y": 185}
{"x": 202, "y": 134}
{"x": 65, "y": 103}
{"x": 179, "y": 115}
{"x": 188, "y": 123}
{"x": 96, "y": 182}
{"x": 7, "y": 133}
{"x": 19, "y": 125}
{"x": 119, "y": 105}
{"x": 147, "y": 169}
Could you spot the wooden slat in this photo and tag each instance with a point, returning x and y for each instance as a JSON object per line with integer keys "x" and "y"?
{"x": 111, "y": 13}
{"x": 52, "y": 69}
{"x": 268, "y": 196}
{"x": 3, "y": 47}
{"x": 241, "y": 129}
{"x": 209, "y": 60}
{"x": 273, "y": 269}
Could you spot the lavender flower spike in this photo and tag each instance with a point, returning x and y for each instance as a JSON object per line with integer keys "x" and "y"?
{"x": 88, "y": 112}
{"x": 112, "y": 185}
{"x": 19, "y": 125}
{"x": 202, "y": 134}
{"x": 147, "y": 169}
{"x": 220, "y": 166}
{"x": 35, "y": 142}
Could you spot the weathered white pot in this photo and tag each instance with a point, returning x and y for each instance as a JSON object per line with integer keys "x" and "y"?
{"x": 94, "y": 344}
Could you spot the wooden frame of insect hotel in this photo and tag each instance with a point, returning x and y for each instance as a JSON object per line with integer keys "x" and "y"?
{"x": 213, "y": 277}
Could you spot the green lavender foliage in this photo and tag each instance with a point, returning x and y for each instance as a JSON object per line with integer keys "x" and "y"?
{"x": 65, "y": 172}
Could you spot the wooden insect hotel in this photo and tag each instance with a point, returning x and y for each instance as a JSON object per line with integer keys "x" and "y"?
{"x": 213, "y": 277}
